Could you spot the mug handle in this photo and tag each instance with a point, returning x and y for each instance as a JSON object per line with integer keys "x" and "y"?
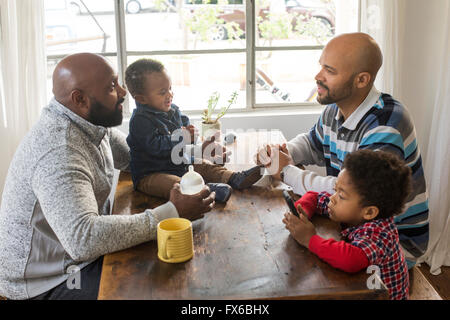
{"x": 166, "y": 255}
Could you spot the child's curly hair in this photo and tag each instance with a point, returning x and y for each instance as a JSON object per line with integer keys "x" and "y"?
{"x": 381, "y": 179}
{"x": 136, "y": 72}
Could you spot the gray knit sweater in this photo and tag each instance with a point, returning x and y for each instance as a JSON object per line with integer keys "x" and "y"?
{"x": 55, "y": 207}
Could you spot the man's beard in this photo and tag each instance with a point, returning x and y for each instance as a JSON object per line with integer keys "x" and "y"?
{"x": 100, "y": 115}
{"x": 333, "y": 97}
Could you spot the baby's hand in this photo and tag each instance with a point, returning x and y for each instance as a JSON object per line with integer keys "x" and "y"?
{"x": 193, "y": 132}
{"x": 190, "y": 132}
{"x": 191, "y": 128}
{"x": 301, "y": 228}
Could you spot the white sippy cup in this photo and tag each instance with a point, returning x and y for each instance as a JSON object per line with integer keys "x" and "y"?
{"x": 191, "y": 182}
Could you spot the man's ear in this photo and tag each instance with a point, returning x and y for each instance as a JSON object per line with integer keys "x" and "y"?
{"x": 81, "y": 102}
{"x": 79, "y": 98}
{"x": 370, "y": 213}
{"x": 363, "y": 80}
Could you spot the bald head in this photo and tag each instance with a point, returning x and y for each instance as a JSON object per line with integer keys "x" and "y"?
{"x": 81, "y": 71}
{"x": 349, "y": 65}
{"x": 358, "y": 52}
{"x": 86, "y": 84}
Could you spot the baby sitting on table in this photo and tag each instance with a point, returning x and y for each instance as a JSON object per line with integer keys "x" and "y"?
{"x": 152, "y": 139}
{"x": 370, "y": 190}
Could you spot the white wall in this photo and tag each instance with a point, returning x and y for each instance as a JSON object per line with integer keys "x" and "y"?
{"x": 422, "y": 50}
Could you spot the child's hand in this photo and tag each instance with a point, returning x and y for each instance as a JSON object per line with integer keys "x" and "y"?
{"x": 190, "y": 133}
{"x": 301, "y": 229}
{"x": 215, "y": 152}
{"x": 284, "y": 148}
{"x": 193, "y": 132}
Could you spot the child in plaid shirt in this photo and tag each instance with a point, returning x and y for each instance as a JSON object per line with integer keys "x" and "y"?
{"x": 370, "y": 190}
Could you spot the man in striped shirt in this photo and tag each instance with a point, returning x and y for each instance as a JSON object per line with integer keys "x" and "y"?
{"x": 356, "y": 116}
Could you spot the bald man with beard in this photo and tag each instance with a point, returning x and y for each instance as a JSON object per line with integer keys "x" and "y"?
{"x": 356, "y": 116}
{"x": 54, "y": 216}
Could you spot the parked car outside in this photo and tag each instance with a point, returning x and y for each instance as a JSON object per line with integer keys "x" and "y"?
{"x": 306, "y": 8}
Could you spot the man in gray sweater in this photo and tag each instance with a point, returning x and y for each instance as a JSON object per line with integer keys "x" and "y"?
{"x": 54, "y": 216}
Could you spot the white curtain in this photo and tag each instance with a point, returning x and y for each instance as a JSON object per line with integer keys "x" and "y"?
{"x": 384, "y": 21}
{"x": 23, "y": 73}
{"x": 437, "y": 168}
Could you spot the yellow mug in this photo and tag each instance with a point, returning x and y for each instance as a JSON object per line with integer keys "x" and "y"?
{"x": 175, "y": 241}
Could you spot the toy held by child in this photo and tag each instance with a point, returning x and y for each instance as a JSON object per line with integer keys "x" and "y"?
{"x": 370, "y": 190}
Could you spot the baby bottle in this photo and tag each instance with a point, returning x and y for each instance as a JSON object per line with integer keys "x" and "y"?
{"x": 191, "y": 182}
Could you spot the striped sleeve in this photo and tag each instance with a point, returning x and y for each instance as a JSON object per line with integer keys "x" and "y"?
{"x": 316, "y": 136}
{"x": 306, "y": 148}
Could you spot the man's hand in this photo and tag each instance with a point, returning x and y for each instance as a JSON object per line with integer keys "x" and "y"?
{"x": 279, "y": 158}
{"x": 194, "y": 206}
{"x": 301, "y": 229}
{"x": 215, "y": 152}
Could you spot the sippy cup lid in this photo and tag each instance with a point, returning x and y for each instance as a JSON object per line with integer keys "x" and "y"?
{"x": 191, "y": 182}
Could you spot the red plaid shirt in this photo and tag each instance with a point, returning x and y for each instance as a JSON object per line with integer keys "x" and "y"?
{"x": 379, "y": 241}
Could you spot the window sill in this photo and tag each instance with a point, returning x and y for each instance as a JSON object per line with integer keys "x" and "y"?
{"x": 260, "y": 112}
{"x": 263, "y": 112}
{"x": 291, "y": 121}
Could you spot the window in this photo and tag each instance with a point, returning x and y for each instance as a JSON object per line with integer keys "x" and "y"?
{"x": 267, "y": 51}
{"x": 70, "y": 27}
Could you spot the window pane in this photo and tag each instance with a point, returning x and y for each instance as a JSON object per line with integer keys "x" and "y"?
{"x": 184, "y": 24}
{"x": 294, "y": 22}
{"x": 286, "y": 76}
{"x": 196, "y": 77}
{"x": 70, "y": 27}
{"x": 346, "y": 16}
{"x": 73, "y": 26}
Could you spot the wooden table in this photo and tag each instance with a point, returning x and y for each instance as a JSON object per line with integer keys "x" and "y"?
{"x": 242, "y": 250}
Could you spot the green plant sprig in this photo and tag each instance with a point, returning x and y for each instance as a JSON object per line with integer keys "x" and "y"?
{"x": 212, "y": 104}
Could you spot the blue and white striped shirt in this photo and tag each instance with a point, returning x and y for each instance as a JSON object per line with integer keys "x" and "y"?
{"x": 379, "y": 123}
